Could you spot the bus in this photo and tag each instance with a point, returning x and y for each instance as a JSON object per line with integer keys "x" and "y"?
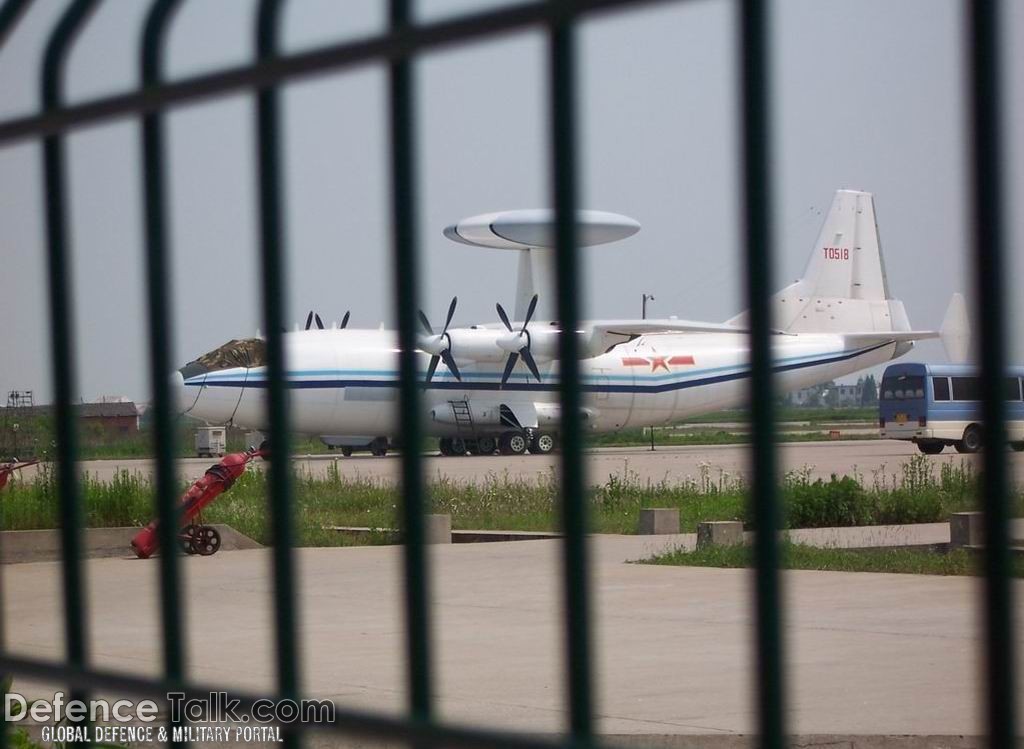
{"x": 934, "y": 405}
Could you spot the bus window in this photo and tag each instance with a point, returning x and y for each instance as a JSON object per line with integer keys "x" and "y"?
{"x": 941, "y": 387}
{"x": 1012, "y": 389}
{"x": 966, "y": 389}
{"x": 902, "y": 387}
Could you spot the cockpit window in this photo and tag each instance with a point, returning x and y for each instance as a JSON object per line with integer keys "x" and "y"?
{"x": 247, "y": 352}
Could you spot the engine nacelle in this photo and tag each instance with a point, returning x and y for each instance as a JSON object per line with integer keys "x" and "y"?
{"x": 477, "y": 344}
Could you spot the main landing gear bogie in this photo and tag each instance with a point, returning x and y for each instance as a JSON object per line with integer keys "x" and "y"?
{"x": 508, "y": 443}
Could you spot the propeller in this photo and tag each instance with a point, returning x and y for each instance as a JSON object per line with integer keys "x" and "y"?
{"x": 440, "y": 345}
{"x": 309, "y": 321}
{"x": 519, "y": 343}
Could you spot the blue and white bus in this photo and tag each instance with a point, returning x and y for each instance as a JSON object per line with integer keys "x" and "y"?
{"x": 935, "y": 405}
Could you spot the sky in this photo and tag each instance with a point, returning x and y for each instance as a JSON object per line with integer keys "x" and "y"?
{"x": 866, "y": 95}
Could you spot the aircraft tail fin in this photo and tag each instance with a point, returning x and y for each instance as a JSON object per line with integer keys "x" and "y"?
{"x": 844, "y": 286}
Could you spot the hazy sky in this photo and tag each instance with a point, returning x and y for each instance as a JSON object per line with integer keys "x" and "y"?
{"x": 867, "y": 95}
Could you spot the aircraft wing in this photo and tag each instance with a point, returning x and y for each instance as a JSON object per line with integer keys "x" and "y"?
{"x": 671, "y": 325}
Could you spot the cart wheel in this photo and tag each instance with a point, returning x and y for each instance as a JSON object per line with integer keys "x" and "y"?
{"x": 186, "y": 538}
{"x": 206, "y": 540}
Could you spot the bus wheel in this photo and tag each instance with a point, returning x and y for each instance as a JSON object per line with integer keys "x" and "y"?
{"x": 1018, "y": 446}
{"x": 930, "y": 447}
{"x": 542, "y": 443}
{"x": 971, "y": 442}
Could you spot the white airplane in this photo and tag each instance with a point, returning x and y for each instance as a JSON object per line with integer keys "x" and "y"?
{"x": 497, "y": 388}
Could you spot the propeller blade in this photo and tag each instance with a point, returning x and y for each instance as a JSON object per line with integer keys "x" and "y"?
{"x": 503, "y": 316}
{"x": 319, "y": 323}
{"x": 433, "y": 367}
{"x": 451, "y": 314}
{"x": 530, "y": 310}
{"x": 309, "y": 320}
{"x": 449, "y": 361}
{"x": 344, "y": 320}
{"x": 528, "y": 358}
{"x": 509, "y": 366}
{"x": 426, "y": 323}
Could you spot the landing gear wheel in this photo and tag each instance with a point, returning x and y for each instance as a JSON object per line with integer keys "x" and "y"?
{"x": 1018, "y": 446}
{"x": 445, "y": 445}
{"x": 206, "y": 541}
{"x": 186, "y": 539}
{"x": 485, "y": 445}
{"x": 379, "y": 447}
{"x": 543, "y": 443}
{"x": 513, "y": 443}
{"x": 458, "y": 446}
{"x": 930, "y": 447}
{"x": 971, "y": 442}
{"x": 346, "y": 451}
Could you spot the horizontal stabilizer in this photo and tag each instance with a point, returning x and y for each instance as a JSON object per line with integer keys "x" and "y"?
{"x": 892, "y": 336}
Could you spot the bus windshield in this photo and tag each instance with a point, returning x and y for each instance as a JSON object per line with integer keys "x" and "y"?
{"x": 902, "y": 387}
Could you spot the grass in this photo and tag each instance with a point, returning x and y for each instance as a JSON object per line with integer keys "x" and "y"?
{"x": 36, "y": 435}
{"x": 914, "y": 493}
{"x": 803, "y": 557}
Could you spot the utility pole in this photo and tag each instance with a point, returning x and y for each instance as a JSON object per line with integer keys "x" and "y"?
{"x": 643, "y": 308}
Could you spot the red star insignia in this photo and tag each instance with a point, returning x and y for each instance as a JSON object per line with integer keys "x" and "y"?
{"x": 658, "y": 361}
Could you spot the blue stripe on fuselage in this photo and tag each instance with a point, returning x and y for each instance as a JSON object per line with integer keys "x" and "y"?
{"x": 551, "y": 386}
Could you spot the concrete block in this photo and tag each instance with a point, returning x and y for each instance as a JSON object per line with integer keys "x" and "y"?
{"x": 656, "y": 521}
{"x": 438, "y": 529}
{"x": 965, "y": 529}
{"x": 719, "y": 533}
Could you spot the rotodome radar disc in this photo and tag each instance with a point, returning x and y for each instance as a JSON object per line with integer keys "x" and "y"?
{"x": 523, "y": 229}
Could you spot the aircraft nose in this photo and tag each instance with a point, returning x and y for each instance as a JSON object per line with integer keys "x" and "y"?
{"x": 185, "y": 396}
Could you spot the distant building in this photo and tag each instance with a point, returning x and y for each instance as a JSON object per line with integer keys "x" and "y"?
{"x": 849, "y": 395}
{"x": 828, "y": 395}
{"x": 808, "y": 397}
{"x": 113, "y": 418}
{"x": 117, "y": 418}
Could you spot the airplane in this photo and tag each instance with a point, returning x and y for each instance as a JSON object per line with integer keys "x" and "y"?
{"x": 494, "y": 387}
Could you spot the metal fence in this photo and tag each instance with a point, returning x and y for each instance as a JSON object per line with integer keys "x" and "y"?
{"x": 399, "y": 46}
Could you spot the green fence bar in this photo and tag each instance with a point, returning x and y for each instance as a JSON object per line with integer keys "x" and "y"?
{"x": 398, "y": 47}
{"x": 988, "y": 236}
{"x": 757, "y": 209}
{"x": 405, "y": 285}
{"x": 61, "y": 331}
{"x": 10, "y": 13}
{"x": 159, "y": 294}
{"x": 274, "y": 286}
{"x": 569, "y": 292}
{"x": 474, "y": 26}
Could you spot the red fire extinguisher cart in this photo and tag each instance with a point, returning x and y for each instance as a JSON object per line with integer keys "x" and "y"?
{"x": 194, "y": 536}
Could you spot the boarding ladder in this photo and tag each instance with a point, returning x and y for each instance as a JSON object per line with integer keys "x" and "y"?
{"x": 463, "y": 416}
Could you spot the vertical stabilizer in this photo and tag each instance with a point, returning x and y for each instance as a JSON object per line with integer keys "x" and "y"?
{"x": 844, "y": 287}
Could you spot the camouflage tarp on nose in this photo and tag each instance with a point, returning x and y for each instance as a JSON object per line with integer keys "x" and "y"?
{"x": 247, "y": 352}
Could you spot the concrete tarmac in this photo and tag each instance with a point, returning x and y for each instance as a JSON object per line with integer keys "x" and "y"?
{"x": 867, "y": 458}
{"x": 867, "y": 654}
